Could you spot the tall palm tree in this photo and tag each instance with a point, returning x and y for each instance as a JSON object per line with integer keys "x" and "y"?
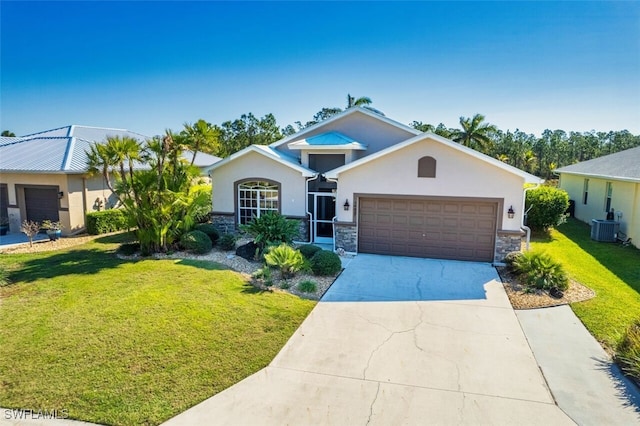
{"x": 474, "y": 133}
{"x": 200, "y": 136}
{"x": 361, "y": 101}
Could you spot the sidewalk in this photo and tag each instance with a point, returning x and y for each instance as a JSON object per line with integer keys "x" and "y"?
{"x": 584, "y": 381}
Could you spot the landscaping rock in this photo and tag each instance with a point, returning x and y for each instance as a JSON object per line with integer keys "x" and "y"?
{"x": 247, "y": 251}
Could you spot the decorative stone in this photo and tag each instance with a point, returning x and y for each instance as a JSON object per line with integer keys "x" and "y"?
{"x": 346, "y": 237}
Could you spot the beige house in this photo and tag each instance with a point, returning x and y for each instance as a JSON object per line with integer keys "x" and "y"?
{"x": 601, "y": 184}
{"x": 368, "y": 184}
{"x": 43, "y": 176}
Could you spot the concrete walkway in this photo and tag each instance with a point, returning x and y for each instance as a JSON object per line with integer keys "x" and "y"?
{"x": 586, "y": 384}
{"x": 463, "y": 361}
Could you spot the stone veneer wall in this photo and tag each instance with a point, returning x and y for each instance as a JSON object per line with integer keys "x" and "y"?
{"x": 226, "y": 223}
{"x": 346, "y": 236}
{"x": 507, "y": 242}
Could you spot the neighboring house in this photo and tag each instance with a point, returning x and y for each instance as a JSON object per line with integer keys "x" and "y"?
{"x": 44, "y": 176}
{"x": 610, "y": 182}
{"x": 368, "y": 184}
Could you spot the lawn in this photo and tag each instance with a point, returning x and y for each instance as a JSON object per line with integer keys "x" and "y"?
{"x": 611, "y": 270}
{"x": 131, "y": 342}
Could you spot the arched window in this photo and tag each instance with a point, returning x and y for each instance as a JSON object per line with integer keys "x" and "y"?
{"x": 256, "y": 198}
{"x": 427, "y": 167}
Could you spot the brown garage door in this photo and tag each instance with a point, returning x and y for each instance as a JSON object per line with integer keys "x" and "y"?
{"x": 419, "y": 227}
{"x": 41, "y": 204}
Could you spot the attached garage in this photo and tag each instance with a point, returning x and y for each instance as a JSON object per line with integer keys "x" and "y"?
{"x": 438, "y": 227}
{"x": 41, "y": 203}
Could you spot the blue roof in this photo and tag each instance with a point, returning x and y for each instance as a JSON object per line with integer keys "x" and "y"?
{"x": 330, "y": 138}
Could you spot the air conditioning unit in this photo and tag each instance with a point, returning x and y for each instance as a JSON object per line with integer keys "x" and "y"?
{"x": 604, "y": 230}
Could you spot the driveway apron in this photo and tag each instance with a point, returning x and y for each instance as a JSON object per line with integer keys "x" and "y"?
{"x": 427, "y": 342}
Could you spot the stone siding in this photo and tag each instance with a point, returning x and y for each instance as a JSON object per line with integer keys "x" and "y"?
{"x": 506, "y": 243}
{"x": 224, "y": 223}
{"x": 346, "y": 237}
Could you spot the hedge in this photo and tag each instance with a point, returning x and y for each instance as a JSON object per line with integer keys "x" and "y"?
{"x": 106, "y": 221}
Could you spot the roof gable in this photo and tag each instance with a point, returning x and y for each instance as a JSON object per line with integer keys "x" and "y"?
{"x": 623, "y": 165}
{"x": 528, "y": 178}
{"x": 270, "y": 153}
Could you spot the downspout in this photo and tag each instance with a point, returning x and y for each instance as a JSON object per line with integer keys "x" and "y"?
{"x": 333, "y": 220}
{"x": 306, "y": 203}
{"x": 524, "y": 214}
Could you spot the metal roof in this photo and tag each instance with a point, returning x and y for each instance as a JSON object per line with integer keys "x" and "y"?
{"x": 623, "y": 165}
{"x": 328, "y": 140}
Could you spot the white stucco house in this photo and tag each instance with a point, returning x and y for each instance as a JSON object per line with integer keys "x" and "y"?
{"x": 610, "y": 182}
{"x": 368, "y": 184}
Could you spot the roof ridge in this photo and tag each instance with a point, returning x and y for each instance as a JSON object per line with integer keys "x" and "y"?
{"x": 46, "y": 131}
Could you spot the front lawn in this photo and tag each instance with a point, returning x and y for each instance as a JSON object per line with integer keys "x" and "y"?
{"x": 131, "y": 342}
{"x": 611, "y": 270}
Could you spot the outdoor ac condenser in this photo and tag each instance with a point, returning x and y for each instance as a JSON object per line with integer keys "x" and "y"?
{"x": 604, "y": 230}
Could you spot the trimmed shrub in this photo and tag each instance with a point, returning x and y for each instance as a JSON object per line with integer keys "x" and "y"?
{"x": 308, "y": 250}
{"x": 196, "y": 242}
{"x": 227, "y": 242}
{"x": 540, "y": 271}
{"x": 325, "y": 262}
{"x": 271, "y": 229}
{"x": 546, "y": 206}
{"x": 106, "y": 221}
{"x": 210, "y": 230}
{"x": 308, "y": 286}
{"x": 129, "y": 249}
{"x": 286, "y": 258}
{"x": 511, "y": 257}
{"x": 628, "y": 351}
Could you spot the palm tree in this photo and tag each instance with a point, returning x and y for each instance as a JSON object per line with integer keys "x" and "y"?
{"x": 200, "y": 136}
{"x": 474, "y": 133}
{"x": 361, "y": 101}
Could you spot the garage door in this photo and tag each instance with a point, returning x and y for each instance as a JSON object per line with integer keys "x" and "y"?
{"x": 418, "y": 227}
{"x": 41, "y": 204}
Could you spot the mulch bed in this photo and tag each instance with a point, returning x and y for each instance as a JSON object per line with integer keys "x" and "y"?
{"x": 540, "y": 298}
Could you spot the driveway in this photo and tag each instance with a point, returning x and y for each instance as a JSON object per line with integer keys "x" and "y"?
{"x": 433, "y": 343}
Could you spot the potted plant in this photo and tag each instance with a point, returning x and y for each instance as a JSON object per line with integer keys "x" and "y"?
{"x": 4, "y": 225}
{"x": 53, "y": 228}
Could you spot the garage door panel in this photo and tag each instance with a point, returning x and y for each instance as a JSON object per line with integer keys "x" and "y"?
{"x": 439, "y": 228}
{"x": 41, "y": 204}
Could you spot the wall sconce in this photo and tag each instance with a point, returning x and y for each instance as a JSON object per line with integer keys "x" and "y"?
{"x": 511, "y": 213}
{"x": 346, "y": 205}
{"x": 60, "y": 194}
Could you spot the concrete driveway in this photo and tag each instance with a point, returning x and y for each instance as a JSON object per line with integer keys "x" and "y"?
{"x": 433, "y": 352}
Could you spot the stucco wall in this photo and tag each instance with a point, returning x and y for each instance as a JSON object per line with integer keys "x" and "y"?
{"x": 362, "y": 128}
{"x": 457, "y": 175}
{"x": 254, "y": 165}
{"x": 625, "y": 198}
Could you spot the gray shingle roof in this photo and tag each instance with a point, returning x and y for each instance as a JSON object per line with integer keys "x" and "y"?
{"x": 623, "y": 165}
{"x": 61, "y": 150}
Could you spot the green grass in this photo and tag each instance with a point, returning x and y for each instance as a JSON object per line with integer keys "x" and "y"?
{"x": 131, "y": 342}
{"x": 611, "y": 270}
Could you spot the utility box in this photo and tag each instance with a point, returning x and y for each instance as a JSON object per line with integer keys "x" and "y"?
{"x": 604, "y": 230}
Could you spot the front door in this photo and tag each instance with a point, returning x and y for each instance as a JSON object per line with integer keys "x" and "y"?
{"x": 322, "y": 206}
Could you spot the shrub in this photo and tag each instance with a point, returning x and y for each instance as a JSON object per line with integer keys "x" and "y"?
{"x": 308, "y": 250}
{"x": 196, "y": 241}
{"x": 30, "y": 229}
{"x": 540, "y": 271}
{"x": 325, "y": 262}
{"x": 106, "y": 221}
{"x": 511, "y": 257}
{"x": 271, "y": 229}
{"x": 227, "y": 242}
{"x": 287, "y": 259}
{"x": 128, "y": 249}
{"x": 265, "y": 274}
{"x": 628, "y": 351}
{"x": 308, "y": 286}
{"x": 546, "y": 206}
{"x": 210, "y": 230}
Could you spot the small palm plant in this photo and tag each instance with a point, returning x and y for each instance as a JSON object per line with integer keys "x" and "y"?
{"x": 540, "y": 271}
{"x": 288, "y": 260}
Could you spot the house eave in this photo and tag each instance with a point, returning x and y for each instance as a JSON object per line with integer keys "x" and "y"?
{"x": 599, "y": 176}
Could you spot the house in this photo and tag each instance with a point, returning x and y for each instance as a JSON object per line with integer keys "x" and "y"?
{"x": 610, "y": 182}
{"x": 368, "y": 184}
{"x": 44, "y": 176}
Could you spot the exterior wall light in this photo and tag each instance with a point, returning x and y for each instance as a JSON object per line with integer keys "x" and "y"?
{"x": 511, "y": 213}
{"x": 60, "y": 194}
{"x": 346, "y": 205}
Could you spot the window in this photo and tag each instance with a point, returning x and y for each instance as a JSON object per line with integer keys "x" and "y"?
{"x": 256, "y": 198}
{"x": 585, "y": 191}
{"x": 607, "y": 200}
{"x": 427, "y": 167}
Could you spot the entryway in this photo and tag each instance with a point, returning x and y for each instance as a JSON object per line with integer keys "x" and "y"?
{"x": 322, "y": 206}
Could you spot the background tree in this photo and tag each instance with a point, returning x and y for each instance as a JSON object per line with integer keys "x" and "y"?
{"x": 200, "y": 137}
{"x": 361, "y": 101}
{"x": 8, "y": 133}
{"x": 474, "y": 133}
{"x": 247, "y": 130}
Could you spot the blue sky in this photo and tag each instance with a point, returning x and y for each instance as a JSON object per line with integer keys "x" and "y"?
{"x": 147, "y": 66}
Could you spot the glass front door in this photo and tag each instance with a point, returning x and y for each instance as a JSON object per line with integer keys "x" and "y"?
{"x": 322, "y": 206}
